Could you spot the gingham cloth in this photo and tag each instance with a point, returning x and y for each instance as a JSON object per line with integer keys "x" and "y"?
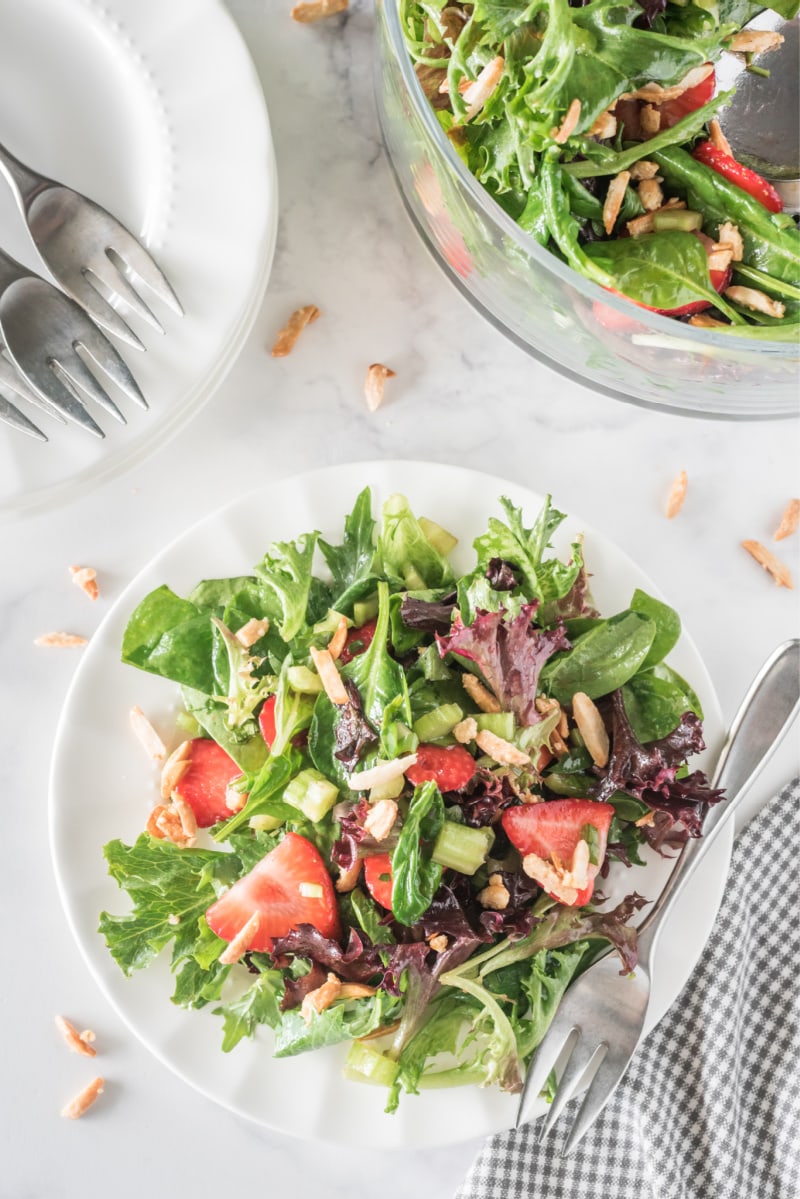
{"x": 710, "y": 1107}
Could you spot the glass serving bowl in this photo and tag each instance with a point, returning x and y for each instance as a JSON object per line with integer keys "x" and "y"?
{"x": 538, "y": 301}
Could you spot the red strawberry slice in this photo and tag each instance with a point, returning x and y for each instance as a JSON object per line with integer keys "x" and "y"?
{"x": 357, "y": 641}
{"x": 277, "y": 889}
{"x": 693, "y": 98}
{"x": 555, "y": 828}
{"x": 378, "y": 877}
{"x": 735, "y": 172}
{"x": 204, "y": 785}
{"x": 266, "y": 720}
{"x": 449, "y": 766}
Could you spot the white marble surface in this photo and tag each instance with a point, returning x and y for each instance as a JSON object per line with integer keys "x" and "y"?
{"x": 463, "y": 395}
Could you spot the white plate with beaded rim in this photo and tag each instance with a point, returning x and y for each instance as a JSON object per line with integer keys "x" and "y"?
{"x": 155, "y": 111}
{"x": 102, "y": 786}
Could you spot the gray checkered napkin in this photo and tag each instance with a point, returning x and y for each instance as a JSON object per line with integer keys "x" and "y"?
{"x": 710, "y": 1107}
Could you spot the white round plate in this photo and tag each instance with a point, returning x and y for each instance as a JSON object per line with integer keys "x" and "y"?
{"x": 102, "y": 786}
{"x": 155, "y": 111}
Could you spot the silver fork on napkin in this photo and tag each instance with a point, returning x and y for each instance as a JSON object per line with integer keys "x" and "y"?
{"x": 85, "y": 249}
{"x": 600, "y": 1021}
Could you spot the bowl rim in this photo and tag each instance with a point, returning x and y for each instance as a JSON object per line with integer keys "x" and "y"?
{"x": 662, "y": 325}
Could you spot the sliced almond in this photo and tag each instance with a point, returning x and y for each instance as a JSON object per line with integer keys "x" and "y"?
{"x": 650, "y": 120}
{"x": 330, "y": 677}
{"x": 719, "y": 258}
{"x": 789, "y": 521}
{"x": 186, "y": 816}
{"x": 377, "y": 374}
{"x": 310, "y": 11}
{"x": 321, "y": 998}
{"x": 718, "y": 138}
{"x": 755, "y": 300}
{"x": 355, "y": 991}
{"x": 730, "y": 236}
{"x": 466, "y": 730}
{"x": 591, "y": 727}
{"x": 701, "y": 320}
{"x": 501, "y": 750}
{"x": 146, "y": 735}
{"x": 549, "y": 878}
{"x": 648, "y": 818}
{"x": 478, "y": 92}
{"x": 677, "y": 495}
{"x": 175, "y": 767}
{"x": 569, "y": 124}
{"x": 480, "y": 695}
{"x": 613, "y": 201}
{"x": 77, "y": 1042}
{"x": 85, "y": 578}
{"x": 381, "y": 819}
{"x": 252, "y": 632}
{"x": 772, "y": 565}
{"x": 241, "y": 942}
{"x": 348, "y": 878}
{"x": 59, "y": 640}
{"x": 644, "y": 169}
{"x": 755, "y": 41}
{"x": 81, "y": 1103}
{"x": 288, "y": 335}
{"x": 337, "y": 641}
{"x": 651, "y": 194}
{"x": 438, "y": 942}
{"x": 604, "y": 127}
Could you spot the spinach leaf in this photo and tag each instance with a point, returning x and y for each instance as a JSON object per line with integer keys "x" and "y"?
{"x": 378, "y": 677}
{"x": 563, "y": 226}
{"x": 169, "y": 636}
{"x": 602, "y": 659}
{"x": 351, "y": 562}
{"x": 667, "y": 622}
{"x": 216, "y": 594}
{"x": 415, "y": 876}
{"x": 285, "y": 576}
{"x": 409, "y": 560}
{"x": 655, "y": 701}
{"x": 359, "y": 911}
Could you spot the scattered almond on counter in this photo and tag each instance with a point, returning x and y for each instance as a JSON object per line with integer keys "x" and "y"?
{"x": 60, "y": 640}
{"x": 288, "y": 335}
{"x": 317, "y": 10}
{"x": 78, "y": 1042}
{"x": 375, "y": 381}
{"x": 147, "y": 736}
{"x": 772, "y": 565}
{"x": 81, "y": 1103}
{"x": 789, "y": 521}
{"x": 85, "y": 578}
{"x": 677, "y": 494}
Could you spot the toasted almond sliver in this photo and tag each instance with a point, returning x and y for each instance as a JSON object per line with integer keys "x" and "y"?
{"x": 83, "y": 1100}
{"x": 85, "y": 578}
{"x": 186, "y": 816}
{"x": 479, "y": 694}
{"x": 316, "y": 10}
{"x": 650, "y": 194}
{"x": 657, "y": 94}
{"x": 377, "y": 374}
{"x": 175, "y": 767}
{"x": 772, "y": 565}
{"x": 718, "y": 138}
{"x": 501, "y": 750}
{"x": 438, "y": 942}
{"x": 720, "y": 258}
{"x": 604, "y": 127}
{"x": 677, "y": 494}
{"x": 478, "y": 92}
{"x": 648, "y": 818}
{"x": 330, "y": 677}
{"x": 77, "y": 1042}
{"x": 757, "y": 301}
{"x": 321, "y": 998}
{"x": 146, "y": 735}
{"x": 252, "y": 632}
{"x": 355, "y": 991}
{"x": 241, "y": 942}
{"x": 288, "y": 335}
{"x": 644, "y": 169}
{"x": 730, "y": 237}
{"x": 348, "y": 878}
{"x": 702, "y": 320}
{"x": 337, "y": 641}
{"x": 591, "y": 727}
{"x": 568, "y": 125}
{"x": 466, "y": 730}
{"x": 381, "y": 819}
{"x": 650, "y": 119}
{"x": 613, "y": 201}
{"x": 755, "y": 41}
{"x": 789, "y": 521}
{"x": 59, "y": 640}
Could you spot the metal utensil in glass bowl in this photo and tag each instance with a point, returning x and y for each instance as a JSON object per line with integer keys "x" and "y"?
{"x": 539, "y": 302}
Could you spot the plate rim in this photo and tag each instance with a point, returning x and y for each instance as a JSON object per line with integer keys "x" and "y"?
{"x": 129, "y": 593}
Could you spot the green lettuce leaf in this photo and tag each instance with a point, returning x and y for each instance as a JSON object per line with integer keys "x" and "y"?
{"x": 351, "y": 562}
{"x": 259, "y": 1004}
{"x": 409, "y": 560}
{"x": 342, "y": 1021}
{"x": 285, "y": 575}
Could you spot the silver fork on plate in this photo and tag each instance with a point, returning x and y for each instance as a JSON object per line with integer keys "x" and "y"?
{"x": 600, "y": 1022}
{"x": 43, "y": 331}
{"x": 86, "y": 249}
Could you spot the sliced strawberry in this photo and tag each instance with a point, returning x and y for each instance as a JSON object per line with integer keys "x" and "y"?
{"x": 378, "y": 878}
{"x": 204, "y": 785}
{"x": 449, "y": 766}
{"x": 266, "y": 720}
{"x": 552, "y": 831}
{"x": 693, "y": 98}
{"x": 735, "y": 172}
{"x": 273, "y": 890}
{"x": 357, "y": 641}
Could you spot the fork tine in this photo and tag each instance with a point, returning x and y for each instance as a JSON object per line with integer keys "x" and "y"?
{"x": 13, "y": 417}
{"x": 106, "y": 278}
{"x": 100, "y": 350}
{"x": 128, "y": 251}
{"x": 77, "y": 377}
{"x": 55, "y": 392}
{"x": 83, "y": 290}
{"x": 579, "y": 1063}
{"x": 601, "y": 1088}
{"x": 555, "y": 1042}
{"x": 10, "y": 379}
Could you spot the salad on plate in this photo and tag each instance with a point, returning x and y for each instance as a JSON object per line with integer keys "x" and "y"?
{"x": 397, "y": 791}
{"x": 594, "y": 125}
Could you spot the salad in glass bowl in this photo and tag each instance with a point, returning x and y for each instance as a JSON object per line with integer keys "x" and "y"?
{"x": 595, "y": 128}
{"x": 397, "y": 792}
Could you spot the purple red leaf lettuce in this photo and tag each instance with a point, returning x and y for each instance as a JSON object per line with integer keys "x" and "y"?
{"x": 431, "y": 616}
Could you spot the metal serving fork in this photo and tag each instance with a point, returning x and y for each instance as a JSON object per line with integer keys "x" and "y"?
{"x": 600, "y": 1022}
{"x": 86, "y": 249}
{"x": 43, "y": 330}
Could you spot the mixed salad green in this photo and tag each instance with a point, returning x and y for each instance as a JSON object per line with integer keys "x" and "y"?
{"x": 412, "y": 782}
{"x": 594, "y": 126}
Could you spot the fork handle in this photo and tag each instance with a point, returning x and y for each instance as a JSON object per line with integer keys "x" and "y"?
{"x": 25, "y": 183}
{"x": 763, "y": 719}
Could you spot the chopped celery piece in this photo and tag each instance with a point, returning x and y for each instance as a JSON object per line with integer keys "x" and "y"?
{"x": 188, "y": 724}
{"x": 499, "y": 723}
{"x": 301, "y": 679}
{"x": 680, "y": 220}
{"x": 462, "y": 848}
{"x": 412, "y": 578}
{"x": 364, "y": 610}
{"x": 438, "y": 722}
{"x": 264, "y": 824}
{"x": 312, "y": 793}
{"x": 388, "y": 790}
{"x": 365, "y": 1064}
{"x": 329, "y": 625}
{"x": 439, "y": 538}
